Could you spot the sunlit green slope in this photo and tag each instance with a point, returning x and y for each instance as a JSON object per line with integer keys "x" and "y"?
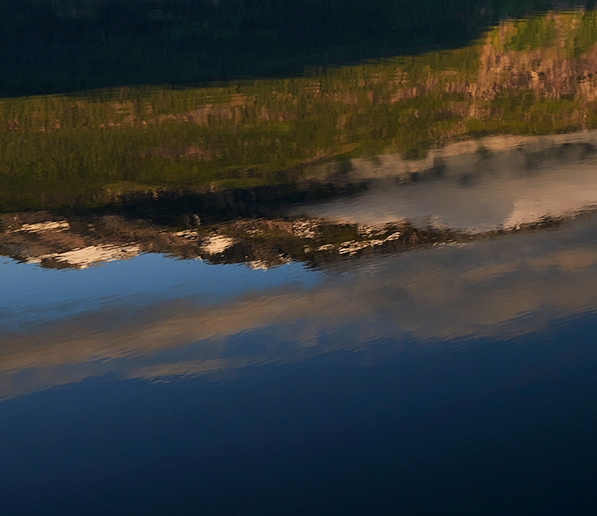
{"x": 531, "y": 76}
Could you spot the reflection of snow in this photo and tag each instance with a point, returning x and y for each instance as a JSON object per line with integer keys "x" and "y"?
{"x": 217, "y": 244}
{"x": 189, "y": 233}
{"x": 44, "y": 226}
{"x": 258, "y": 265}
{"x": 326, "y": 247}
{"x": 354, "y": 246}
{"x": 93, "y": 255}
{"x": 304, "y": 228}
{"x": 261, "y": 265}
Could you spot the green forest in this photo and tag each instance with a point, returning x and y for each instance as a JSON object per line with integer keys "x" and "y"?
{"x": 90, "y": 148}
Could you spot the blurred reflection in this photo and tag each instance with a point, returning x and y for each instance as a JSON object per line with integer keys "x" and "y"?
{"x": 68, "y": 45}
{"x": 365, "y": 261}
{"x": 104, "y": 147}
{"x": 499, "y": 288}
{"x": 465, "y": 191}
{"x": 468, "y": 157}
{"x": 495, "y": 183}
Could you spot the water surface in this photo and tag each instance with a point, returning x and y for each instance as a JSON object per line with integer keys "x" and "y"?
{"x": 352, "y": 272}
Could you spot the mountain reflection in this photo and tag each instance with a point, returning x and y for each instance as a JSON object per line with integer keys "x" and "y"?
{"x": 105, "y": 147}
{"x": 67, "y": 45}
{"x": 467, "y": 153}
{"x": 498, "y": 288}
{"x": 465, "y": 191}
{"x": 298, "y": 256}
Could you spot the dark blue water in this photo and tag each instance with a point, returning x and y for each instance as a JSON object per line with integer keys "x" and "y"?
{"x": 450, "y": 379}
{"x": 356, "y": 275}
{"x": 495, "y": 426}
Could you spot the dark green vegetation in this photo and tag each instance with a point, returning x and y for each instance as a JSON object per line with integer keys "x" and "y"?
{"x": 55, "y": 46}
{"x": 92, "y": 149}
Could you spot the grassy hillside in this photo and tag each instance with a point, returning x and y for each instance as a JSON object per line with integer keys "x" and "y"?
{"x": 524, "y": 77}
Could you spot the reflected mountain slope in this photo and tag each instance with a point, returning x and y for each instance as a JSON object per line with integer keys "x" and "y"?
{"x": 501, "y": 288}
{"x": 73, "y": 45}
{"x": 478, "y": 160}
{"x": 525, "y": 77}
{"x": 358, "y": 273}
{"x": 465, "y": 191}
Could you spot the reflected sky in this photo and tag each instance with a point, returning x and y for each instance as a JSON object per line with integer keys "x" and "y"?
{"x": 499, "y": 288}
{"x": 36, "y": 295}
{"x": 438, "y": 378}
{"x": 356, "y": 276}
{"x": 476, "y": 186}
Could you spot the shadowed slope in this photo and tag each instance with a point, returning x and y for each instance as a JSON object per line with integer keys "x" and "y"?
{"x": 57, "y": 46}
